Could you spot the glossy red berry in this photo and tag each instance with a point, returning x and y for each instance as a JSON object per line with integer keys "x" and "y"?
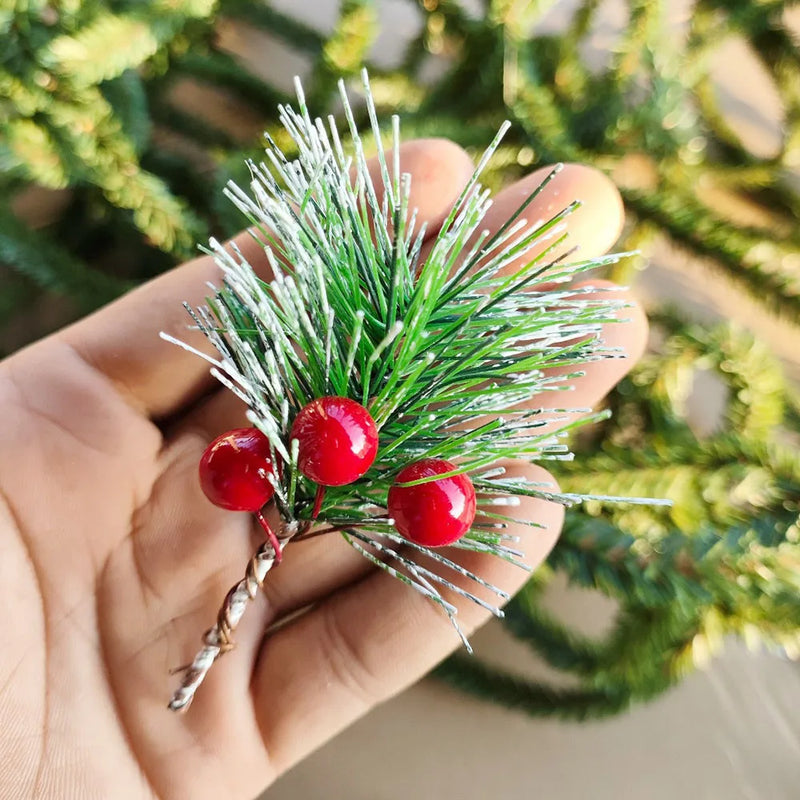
{"x": 235, "y": 470}
{"x": 338, "y": 440}
{"x": 436, "y": 513}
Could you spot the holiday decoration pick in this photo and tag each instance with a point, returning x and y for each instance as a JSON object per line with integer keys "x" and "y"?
{"x": 374, "y": 376}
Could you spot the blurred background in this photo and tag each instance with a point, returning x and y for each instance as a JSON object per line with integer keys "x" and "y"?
{"x": 653, "y": 655}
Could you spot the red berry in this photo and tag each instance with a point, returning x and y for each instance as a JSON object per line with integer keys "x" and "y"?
{"x": 338, "y": 440}
{"x": 235, "y": 470}
{"x": 436, "y": 513}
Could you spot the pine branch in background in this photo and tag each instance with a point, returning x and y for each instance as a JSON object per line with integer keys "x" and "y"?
{"x": 731, "y": 248}
{"x": 51, "y": 267}
{"x": 222, "y": 70}
{"x": 536, "y": 700}
{"x": 266, "y": 18}
{"x": 91, "y": 101}
{"x": 345, "y": 51}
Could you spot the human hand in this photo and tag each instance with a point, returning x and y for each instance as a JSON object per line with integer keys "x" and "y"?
{"x": 112, "y": 562}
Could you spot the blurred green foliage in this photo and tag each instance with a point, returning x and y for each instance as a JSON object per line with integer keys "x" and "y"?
{"x": 107, "y": 178}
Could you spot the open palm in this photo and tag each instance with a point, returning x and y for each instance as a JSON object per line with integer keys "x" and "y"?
{"x": 112, "y": 562}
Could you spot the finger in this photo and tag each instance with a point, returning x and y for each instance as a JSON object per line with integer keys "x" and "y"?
{"x": 369, "y": 641}
{"x": 594, "y": 226}
{"x": 122, "y": 340}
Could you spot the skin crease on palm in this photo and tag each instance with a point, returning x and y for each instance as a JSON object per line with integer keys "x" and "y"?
{"x": 112, "y": 563}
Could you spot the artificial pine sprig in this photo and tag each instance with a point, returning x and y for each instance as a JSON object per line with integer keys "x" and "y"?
{"x": 433, "y": 348}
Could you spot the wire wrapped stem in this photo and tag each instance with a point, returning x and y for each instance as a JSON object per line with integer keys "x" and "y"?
{"x": 219, "y": 638}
